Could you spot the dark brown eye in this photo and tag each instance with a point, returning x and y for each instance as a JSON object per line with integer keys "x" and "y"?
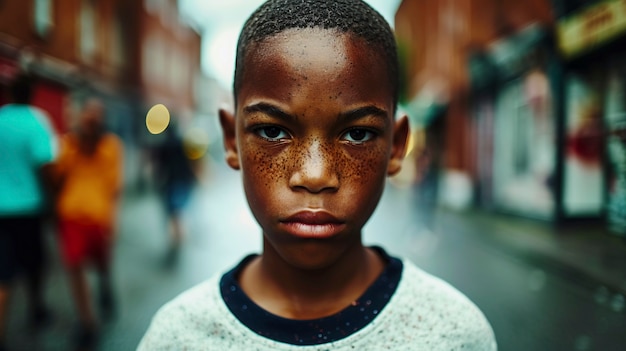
{"x": 358, "y": 135}
{"x": 272, "y": 133}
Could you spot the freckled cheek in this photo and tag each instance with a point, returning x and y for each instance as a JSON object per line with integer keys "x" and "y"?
{"x": 265, "y": 171}
{"x": 261, "y": 170}
{"x": 366, "y": 167}
{"x": 262, "y": 165}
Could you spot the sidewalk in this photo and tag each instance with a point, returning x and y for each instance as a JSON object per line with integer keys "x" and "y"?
{"x": 586, "y": 253}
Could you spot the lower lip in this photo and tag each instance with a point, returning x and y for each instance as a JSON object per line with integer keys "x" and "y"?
{"x": 313, "y": 231}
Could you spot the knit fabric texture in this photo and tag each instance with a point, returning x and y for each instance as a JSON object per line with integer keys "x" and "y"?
{"x": 425, "y": 313}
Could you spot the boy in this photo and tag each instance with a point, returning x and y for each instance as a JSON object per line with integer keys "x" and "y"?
{"x": 314, "y": 135}
{"x": 89, "y": 178}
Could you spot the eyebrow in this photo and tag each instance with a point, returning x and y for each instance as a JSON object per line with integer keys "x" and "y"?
{"x": 365, "y": 111}
{"x": 268, "y": 109}
{"x": 347, "y": 116}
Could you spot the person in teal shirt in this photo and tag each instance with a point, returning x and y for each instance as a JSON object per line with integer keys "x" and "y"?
{"x": 27, "y": 147}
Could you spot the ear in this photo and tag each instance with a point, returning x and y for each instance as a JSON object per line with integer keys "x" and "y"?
{"x": 227, "y": 120}
{"x": 399, "y": 144}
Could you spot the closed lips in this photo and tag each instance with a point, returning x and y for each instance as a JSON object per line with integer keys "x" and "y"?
{"x": 309, "y": 224}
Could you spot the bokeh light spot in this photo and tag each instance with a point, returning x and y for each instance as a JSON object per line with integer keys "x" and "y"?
{"x": 196, "y": 143}
{"x": 157, "y": 119}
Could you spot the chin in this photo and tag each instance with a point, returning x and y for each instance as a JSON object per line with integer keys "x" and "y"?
{"x": 312, "y": 255}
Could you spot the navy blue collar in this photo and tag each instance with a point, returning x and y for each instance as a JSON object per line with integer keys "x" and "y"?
{"x": 316, "y": 331}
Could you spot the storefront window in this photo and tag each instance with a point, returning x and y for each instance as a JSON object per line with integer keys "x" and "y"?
{"x": 583, "y": 172}
{"x": 43, "y": 17}
{"x": 523, "y": 165}
{"x": 88, "y": 43}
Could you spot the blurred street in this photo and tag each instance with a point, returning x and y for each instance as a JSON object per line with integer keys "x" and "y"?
{"x": 540, "y": 289}
{"x": 517, "y": 112}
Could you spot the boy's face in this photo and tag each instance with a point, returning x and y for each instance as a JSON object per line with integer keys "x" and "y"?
{"x": 91, "y": 121}
{"x": 315, "y": 138}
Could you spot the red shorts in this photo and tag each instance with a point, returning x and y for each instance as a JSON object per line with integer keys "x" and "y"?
{"x": 84, "y": 241}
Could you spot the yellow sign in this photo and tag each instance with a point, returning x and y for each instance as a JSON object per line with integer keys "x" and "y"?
{"x": 594, "y": 26}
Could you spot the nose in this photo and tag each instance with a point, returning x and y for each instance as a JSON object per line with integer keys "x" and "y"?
{"x": 315, "y": 169}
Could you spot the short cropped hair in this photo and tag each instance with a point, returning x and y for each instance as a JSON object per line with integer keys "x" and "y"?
{"x": 22, "y": 89}
{"x": 348, "y": 16}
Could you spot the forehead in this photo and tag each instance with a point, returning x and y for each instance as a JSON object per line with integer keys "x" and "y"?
{"x": 298, "y": 60}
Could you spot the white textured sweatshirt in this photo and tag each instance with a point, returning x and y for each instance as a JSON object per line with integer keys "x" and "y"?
{"x": 424, "y": 313}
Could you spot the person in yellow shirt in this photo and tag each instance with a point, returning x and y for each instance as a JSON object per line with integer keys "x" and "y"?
{"x": 89, "y": 178}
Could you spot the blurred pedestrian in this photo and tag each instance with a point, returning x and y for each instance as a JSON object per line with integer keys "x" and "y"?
{"x": 27, "y": 148}
{"x": 89, "y": 178}
{"x": 176, "y": 179}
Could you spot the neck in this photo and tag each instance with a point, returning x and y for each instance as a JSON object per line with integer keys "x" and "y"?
{"x": 298, "y": 293}
{"x": 88, "y": 143}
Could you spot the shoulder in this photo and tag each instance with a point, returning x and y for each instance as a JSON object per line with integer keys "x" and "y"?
{"x": 435, "y": 291}
{"x": 188, "y": 319}
{"x": 190, "y": 303}
{"x": 449, "y": 316}
{"x": 37, "y": 124}
{"x": 26, "y": 114}
{"x": 111, "y": 145}
{"x": 7, "y": 110}
{"x": 41, "y": 117}
{"x": 112, "y": 140}
{"x": 417, "y": 280}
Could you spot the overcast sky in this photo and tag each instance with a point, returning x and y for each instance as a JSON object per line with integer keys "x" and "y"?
{"x": 221, "y": 21}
